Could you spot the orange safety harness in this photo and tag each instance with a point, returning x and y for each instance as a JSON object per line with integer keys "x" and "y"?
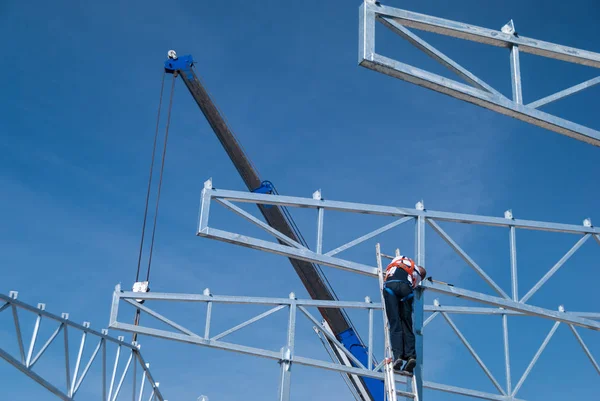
{"x": 406, "y": 264}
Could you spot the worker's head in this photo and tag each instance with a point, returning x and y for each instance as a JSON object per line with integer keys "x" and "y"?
{"x": 422, "y": 272}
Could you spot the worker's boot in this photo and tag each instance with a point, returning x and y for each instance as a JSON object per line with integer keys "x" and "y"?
{"x": 398, "y": 365}
{"x": 410, "y": 365}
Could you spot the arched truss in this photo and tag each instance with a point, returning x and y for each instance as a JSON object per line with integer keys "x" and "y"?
{"x": 26, "y": 356}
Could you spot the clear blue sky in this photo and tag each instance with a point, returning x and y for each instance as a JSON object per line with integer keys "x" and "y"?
{"x": 80, "y": 86}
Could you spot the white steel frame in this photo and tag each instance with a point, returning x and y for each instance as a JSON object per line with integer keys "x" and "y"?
{"x": 503, "y": 304}
{"x": 27, "y": 359}
{"x": 475, "y": 90}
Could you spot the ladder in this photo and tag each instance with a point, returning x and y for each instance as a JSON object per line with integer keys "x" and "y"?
{"x": 388, "y": 362}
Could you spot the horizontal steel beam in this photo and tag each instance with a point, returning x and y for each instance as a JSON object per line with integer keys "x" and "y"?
{"x": 469, "y": 310}
{"x": 225, "y": 299}
{"x": 487, "y": 36}
{"x": 393, "y": 211}
{"x": 512, "y": 305}
{"x": 469, "y": 393}
{"x": 481, "y": 98}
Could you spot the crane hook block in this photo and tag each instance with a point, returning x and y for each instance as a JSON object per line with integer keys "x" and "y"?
{"x": 182, "y": 64}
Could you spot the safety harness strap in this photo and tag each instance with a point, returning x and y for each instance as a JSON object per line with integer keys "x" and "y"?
{"x": 389, "y": 290}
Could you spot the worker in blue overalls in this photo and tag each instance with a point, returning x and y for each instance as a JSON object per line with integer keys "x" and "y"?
{"x": 402, "y": 276}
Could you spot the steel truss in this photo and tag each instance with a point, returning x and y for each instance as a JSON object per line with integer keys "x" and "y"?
{"x": 476, "y": 91}
{"x": 286, "y": 357}
{"x": 27, "y": 359}
{"x": 503, "y": 304}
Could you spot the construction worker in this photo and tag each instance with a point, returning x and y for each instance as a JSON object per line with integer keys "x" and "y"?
{"x": 402, "y": 276}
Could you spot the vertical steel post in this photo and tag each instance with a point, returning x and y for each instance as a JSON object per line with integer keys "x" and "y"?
{"x": 419, "y": 301}
{"x": 513, "y": 264}
{"x": 67, "y": 368}
{"x": 133, "y": 387}
{"x": 320, "y": 231}
{"x": 205, "y": 201}
{"x": 208, "y": 314}
{"x": 104, "y": 398}
{"x": 287, "y": 355}
{"x": 317, "y": 196}
{"x": 506, "y": 353}
{"x": 515, "y": 67}
{"x": 370, "y": 362}
{"x": 18, "y": 331}
{"x": 366, "y": 34}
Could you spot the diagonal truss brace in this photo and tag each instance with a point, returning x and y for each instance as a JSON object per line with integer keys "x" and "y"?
{"x": 480, "y": 93}
{"x": 473, "y": 353}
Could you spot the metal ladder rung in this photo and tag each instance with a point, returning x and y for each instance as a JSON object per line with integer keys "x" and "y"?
{"x": 405, "y": 394}
{"x": 383, "y": 255}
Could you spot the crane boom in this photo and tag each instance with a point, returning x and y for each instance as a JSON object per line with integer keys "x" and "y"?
{"x": 307, "y": 272}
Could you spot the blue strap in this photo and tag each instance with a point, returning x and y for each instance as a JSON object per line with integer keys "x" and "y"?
{"x": 397, "y": 281}
{"x": 406, "y": 298}
{"x": 389, "y": 290}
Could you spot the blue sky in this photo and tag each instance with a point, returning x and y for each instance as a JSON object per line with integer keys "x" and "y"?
{"x": 80, "y": 90}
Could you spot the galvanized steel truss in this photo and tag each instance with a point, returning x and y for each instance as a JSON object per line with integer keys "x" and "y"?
{"x": 476, "y": 91}
{"x": 286, "y": 356}
{"x": 503, "y": 304}
{"x": 26, "y": 359}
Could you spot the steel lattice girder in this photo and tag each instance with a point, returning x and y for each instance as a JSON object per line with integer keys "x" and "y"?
{"x": 505, "y": 304}
{"x": 286, "y": 355}
{"x": 26, "y": 361}
{"x": 479, "y": 93}
{"x": 504, "y": 301}
{"x": 290, "y": 304}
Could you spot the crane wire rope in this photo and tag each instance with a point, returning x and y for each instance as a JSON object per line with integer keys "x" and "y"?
{"x": 137, "y": 275}
{"x": 139, "y": 263}
{"x": 160, "y": 179}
